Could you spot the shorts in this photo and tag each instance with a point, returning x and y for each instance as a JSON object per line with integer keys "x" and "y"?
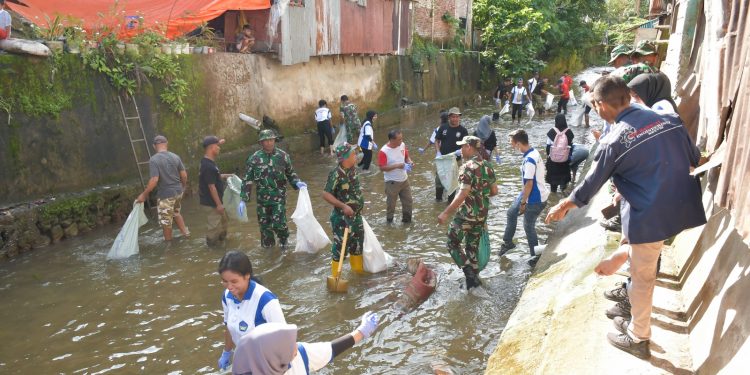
{"x": 168, "y": 208}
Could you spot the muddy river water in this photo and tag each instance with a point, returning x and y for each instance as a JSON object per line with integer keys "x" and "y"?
{"x": 66, "y": 309}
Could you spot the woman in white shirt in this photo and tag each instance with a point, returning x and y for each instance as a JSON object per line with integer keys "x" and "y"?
{"x": 366, "y": 140}
{"x": 246, "y": 303}
{"x": 654, "y": 91}
{"x": 272, "y": 349}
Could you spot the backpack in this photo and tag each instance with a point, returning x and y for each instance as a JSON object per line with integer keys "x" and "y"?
{"x": 559, "y": 151}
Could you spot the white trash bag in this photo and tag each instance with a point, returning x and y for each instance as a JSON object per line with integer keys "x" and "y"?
{"x": 506, "y": 108}
{"x": 447, "y": 170}
{"x": 572, "y": 100}
{"x": 341, "y": 137}
{"x": 578, "y": 116}
{"x": 548, "y": 102}
{"x": 375, "y": 259}
{"x": 530, "y": 111}
{"x": 233, "y": 199}
{"x": 310, "y": 235}
{"x": 126, "y": 242}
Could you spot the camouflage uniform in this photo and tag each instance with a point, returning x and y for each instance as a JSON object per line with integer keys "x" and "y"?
{"x": 344, "y": 185}
{"x": 478, "y": 176}
{"x": 351, "y": 119}
{"x": 629, "y": 72}
{"x": 270, "y": 173}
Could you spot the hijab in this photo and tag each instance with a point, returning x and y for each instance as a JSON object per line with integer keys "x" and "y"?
{"x": 368, "y": 117}
{"x": 268, "y": 349}
{"x": 652, "y": 88}
{"x": 483, "y": 129}
{"x": 443, "y": 118}
{"x": 560, "y": 122}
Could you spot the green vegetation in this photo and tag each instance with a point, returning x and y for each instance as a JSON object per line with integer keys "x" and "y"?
{"x": 79, "y": 208}
{"x": 521, "y": 36}
{"x": 422, "y": 50}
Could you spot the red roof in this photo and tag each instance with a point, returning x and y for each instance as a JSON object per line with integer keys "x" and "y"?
{"x": 174, "y": 17}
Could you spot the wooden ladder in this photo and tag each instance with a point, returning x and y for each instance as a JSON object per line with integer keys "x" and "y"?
{"x": 138, "y": 140}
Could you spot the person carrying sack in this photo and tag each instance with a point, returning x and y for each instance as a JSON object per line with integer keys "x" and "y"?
{"x": 519, "y": 96}
{"x": 343, "y": 192}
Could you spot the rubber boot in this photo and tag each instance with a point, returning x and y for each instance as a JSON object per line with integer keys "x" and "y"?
{"x": 334, "y": 268}
{"x": 357, "y": 263}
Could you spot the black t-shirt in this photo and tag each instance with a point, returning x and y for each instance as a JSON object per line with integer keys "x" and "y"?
{"x": 538, "y": 88}
{"x": 209, "y": 175}
{"x": 448, "y": 137}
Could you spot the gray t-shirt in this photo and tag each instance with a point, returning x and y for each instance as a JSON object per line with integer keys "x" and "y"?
{"x": 167, "y": 165}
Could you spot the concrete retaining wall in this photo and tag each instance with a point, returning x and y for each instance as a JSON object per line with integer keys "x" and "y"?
{"x": 86, "y": 145}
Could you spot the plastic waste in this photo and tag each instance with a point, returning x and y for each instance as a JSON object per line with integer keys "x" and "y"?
{"x": 126, "y": 242}
{"x": 506, "y": 108}
{"x": 530, "y": 111}
{"x": 250, "y": 121}
{"x": 340, "y": 137}
{"x": 578, "y": 116}
{"x": 572, "y": 100}
{"x": 483, "y": 256}
{"x": 548, "y": 101}
{"x": 232, "y": 199}
{"x": 375, "y": 259}
{"x": 310, "y": 235}
{"x": 447, "y": 170}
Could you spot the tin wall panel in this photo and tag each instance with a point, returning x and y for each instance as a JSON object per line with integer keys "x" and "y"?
{"x": 298, "y": 31}
{"x": 328, "y": 27}
{"x": 367, "y": 29}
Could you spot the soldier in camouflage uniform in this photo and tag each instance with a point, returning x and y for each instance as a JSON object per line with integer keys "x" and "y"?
{"x": 270, "y": 168}
{"x": 478, "y": 184}
{"x": 351, "y": 119}
{"x": 620, "y": 56}
{"x": 644, "y": 60}
{"x": 344, "y": 193}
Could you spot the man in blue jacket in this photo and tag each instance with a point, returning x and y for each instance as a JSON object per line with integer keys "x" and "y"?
{"x": 648, "y": 156}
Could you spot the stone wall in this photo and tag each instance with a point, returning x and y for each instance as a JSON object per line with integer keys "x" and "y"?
{"x": 37, "y": 224}
{"x": 86, "y": 145}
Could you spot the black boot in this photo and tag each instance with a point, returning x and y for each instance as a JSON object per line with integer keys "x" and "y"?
{"x": 472, "y": 279}
{"x": 439, "y": 194}
{"x": 406, "y": 218}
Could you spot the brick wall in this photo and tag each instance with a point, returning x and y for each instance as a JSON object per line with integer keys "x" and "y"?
{"x": 428, "y": 19}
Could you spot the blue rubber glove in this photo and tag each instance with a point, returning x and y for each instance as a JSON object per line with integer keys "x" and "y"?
{"x": 497, "y": 159}
{"x": 421, "y": 150}
{"x": 369, "y": 324}
{"x": 301, "y": 185}
{"x": 225, "y": 360}
{"x": 458, "y": 152}
{"x": 241, "y": 209}
{"x": 407, "y": 167}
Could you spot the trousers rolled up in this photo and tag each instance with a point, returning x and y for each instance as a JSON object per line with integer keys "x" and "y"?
{"x": 467, "y": 233}
{"x": 643, "y": 260}
{"x": 216, "y": 225}
{"x": 272, "y": 221}
{"x": 325, "y": 132}
{"x": 395, "y": 190}
{"x": 356, "y": 235}
{"x": 533, "y": 210}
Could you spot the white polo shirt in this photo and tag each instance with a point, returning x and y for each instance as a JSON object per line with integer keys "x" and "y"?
{"x": 310, "y": 357}
{"x": 5, "y": 19}
{"x": 532, "y": 168}
{"x": 322, "y": 114}
{"x": 389, "y": 156}
{"x": 258, "y": 306}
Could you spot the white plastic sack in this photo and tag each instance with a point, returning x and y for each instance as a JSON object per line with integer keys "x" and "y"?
{"x": 310, "y": 235}
{"x": 341, "y": 137}
{"x": 375, "y": 259}
{"x": 548, "y": 101}
{"x": 232, "y": 199}
{"x": 447, "y": 170}
{"x": 506, "y": 108}
{"x": 530, "y": 111}
{"x": 578, "y": 117}
{"x": 126, "y": 242}
{"x": 572, "y": 100}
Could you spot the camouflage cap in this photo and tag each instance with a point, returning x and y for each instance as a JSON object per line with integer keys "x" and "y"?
{"x": 644, "y": 47}
{"x": 266, "y": 134}
{"x": 343, "y": 151}
{"x": 619, "y": 49}
{"x": 471, "y": 141}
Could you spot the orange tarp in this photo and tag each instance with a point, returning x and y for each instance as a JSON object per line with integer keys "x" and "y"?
{"x": 174, "y": 17}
